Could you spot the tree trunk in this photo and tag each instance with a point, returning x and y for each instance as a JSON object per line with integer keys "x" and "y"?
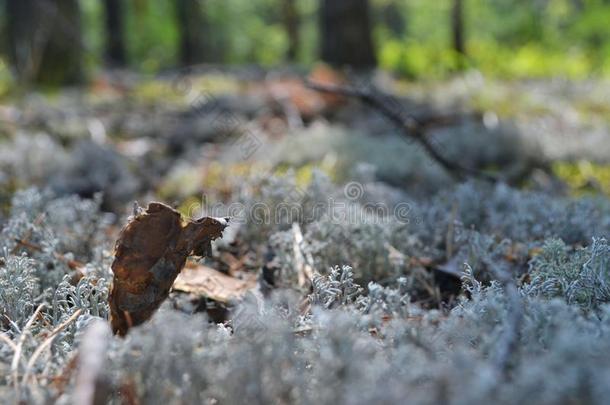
{"x": 345, "y": 33}
{"x": 457, "y": 28}
{"x": 44, "y": 41}
{"x": 115, "y": 54}
{"x": 191, "y": 26}
{"x": 392, "y": 17}
{"x": 291, "y": 20}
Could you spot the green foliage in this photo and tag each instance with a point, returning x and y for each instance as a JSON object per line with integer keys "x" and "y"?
{"x": 584, "y": 176}
{"x": 151, "y": 34}
{"x": 92, "y": 17}
{"x": 505, "y": 38}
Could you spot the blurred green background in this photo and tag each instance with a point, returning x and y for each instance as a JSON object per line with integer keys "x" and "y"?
{"x": 414, "y": 39}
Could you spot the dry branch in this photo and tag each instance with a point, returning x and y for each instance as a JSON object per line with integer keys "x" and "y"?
{"x": 302, "y": 261}
{"x": 411, "y": 127}
{"x": 47, "y": 342}
{"x": 19, "y": 348}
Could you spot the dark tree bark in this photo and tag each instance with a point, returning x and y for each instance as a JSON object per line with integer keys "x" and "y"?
{"x": 191, "y": 26}
{"x": 345, "y": 33}
{"x": 457, "y": 27}
{"x": 291, "y": 20}
{"x": 115, "y": 54}
{"x": 458, "y": 35}
{"x": 44, "y": 41}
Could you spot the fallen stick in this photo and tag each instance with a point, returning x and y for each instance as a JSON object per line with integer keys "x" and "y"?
{"x": 302, "y": 260}
{"x": 19, "y": 348}
{"x": 409, "y": 125}
{"x": 47, "y": 342}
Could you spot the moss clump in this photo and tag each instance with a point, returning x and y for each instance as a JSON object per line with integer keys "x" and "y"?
{"x": 584, "y": 177}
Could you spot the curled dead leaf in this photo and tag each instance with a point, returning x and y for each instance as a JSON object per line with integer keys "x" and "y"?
{"x": 150, "y": 253}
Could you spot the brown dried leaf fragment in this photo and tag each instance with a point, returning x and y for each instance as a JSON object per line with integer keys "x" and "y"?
{"x": 149, "y": 254}
{"x": 207, "y": 282}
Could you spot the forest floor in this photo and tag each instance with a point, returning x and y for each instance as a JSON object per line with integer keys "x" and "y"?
{"x": 355, "y": 268}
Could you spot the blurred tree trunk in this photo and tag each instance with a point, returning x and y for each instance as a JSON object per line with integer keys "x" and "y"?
{"x": 115, "y": 54}
{"x": 44, "y": 41}
{"x": 291, "y": 20}
{"x": 345, "y": 33}
{"x": 457, "y": 27}
{"x": 457, "y": 30}
{"x": 191, "y": 27}
{"x": 393, "y": 18}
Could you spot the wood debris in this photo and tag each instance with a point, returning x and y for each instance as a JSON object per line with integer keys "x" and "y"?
{"x": 207, "y": 282}
{"x": 302, "y": 260}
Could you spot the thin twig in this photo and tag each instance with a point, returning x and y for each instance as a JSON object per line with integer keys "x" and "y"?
{"x": 409, "y": 125}
{"x": 302, "y": 261}
{"x": 8, "y": 341}
{"x": 72, "y": 264}
{"x": 450, "y": 236}
{"x": 47, "y": 343}
{"x": 19, "y": 348}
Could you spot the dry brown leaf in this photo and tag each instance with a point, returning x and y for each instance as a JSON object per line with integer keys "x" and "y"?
{"x": 149, "y": 254}
{"x": 207, "y": 282}
{"x": 324, "y": 74}
{"x": 292, "y": 90}
{"x": 307, "y": 102}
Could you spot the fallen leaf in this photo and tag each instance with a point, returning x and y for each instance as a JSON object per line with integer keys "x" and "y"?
{"x": 207, "y": 282}
{"x": 324, "y": 74}
{"x": 150, "y": 253}
{"x": 307, "y": 102}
